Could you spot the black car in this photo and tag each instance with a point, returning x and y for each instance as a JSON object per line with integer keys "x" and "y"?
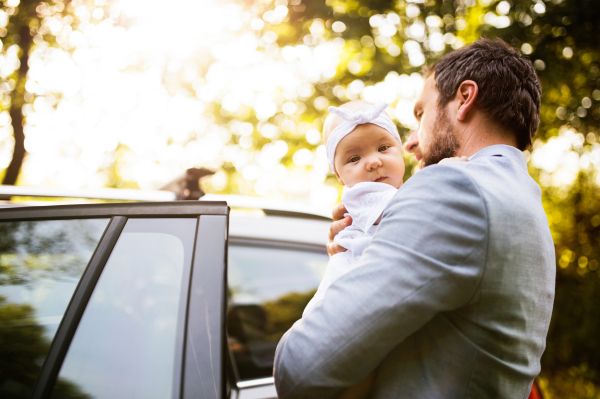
{"x": 181, "y": 299}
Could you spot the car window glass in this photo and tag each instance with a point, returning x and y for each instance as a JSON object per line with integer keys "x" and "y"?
{"x": 269, "y": 287}
{"x": 41, "y": 263}
{"x": 125, "y": 344}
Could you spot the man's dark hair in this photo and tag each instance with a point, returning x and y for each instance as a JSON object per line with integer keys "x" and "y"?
{"x": 509, "y": 89}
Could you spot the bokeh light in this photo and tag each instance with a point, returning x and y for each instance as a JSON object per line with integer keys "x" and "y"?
{"x": 129, "y": 93}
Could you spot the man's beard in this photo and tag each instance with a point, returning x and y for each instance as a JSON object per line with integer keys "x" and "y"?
{"x": 443, "y": 143}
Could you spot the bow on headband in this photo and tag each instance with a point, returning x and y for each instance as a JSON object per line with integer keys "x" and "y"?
{"x": 351, "y": 120}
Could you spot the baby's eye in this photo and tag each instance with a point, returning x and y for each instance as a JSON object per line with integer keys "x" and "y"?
{"x": 383, "y": 147}
{"x": 354, "y": 159}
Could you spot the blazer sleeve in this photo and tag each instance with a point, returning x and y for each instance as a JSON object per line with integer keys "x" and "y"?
{"x": 427, "y": 257}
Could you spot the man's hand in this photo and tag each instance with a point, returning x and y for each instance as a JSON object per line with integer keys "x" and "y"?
{"x": 454, "y": 159}
{"x": 339, "y": 223}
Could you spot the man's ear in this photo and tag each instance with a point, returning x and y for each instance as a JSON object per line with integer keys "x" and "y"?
{"x": 466, "y": 94}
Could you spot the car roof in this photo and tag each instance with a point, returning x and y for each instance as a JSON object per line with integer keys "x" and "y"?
{"x": 122, "y": 194}
{"x": 307, "y": 231}
{"x": 271, "y": 206}
{"x": 252, "y": 218}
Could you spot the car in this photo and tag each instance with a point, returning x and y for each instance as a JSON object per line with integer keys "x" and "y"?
{"x": 173, "y": 299}
{"x": 154, "y": 299}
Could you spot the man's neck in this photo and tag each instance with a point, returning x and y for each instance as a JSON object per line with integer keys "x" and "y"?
{"x": 478, "y": 135}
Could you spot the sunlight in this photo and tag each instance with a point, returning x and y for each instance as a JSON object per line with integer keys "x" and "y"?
{"x": 138, "y": 91}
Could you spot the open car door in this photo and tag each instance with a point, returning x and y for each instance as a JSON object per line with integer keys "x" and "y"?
{"x": 114, "y": 300}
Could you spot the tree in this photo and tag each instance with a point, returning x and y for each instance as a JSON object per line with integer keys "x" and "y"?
{"x": 384, "y": 38}
{"x": 335, "y": 51}
{"x": 27, "y": 24}
{"x": 20, "y": 36}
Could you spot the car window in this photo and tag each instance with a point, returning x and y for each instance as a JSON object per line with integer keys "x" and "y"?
{"x": 125, "y": 344}
{"x": 41, "y": 263}
{"x": 269, "y": 287}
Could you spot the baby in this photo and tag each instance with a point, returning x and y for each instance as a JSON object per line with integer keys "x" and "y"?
{"x": 365, "y": 153}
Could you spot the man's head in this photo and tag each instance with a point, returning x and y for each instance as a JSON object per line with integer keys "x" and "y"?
{"x": 486, "y": 86}
{"x": 368, "y": 153}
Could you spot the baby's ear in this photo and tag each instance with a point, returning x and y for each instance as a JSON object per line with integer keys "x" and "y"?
{"x": 339, "y": 179}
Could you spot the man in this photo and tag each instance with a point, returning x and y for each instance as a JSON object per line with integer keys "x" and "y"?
{"x": 453, "y": 297}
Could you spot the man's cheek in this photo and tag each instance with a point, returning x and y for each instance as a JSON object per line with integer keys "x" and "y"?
{"x": 426, "y": 135}
{"x": 422, "y": 138}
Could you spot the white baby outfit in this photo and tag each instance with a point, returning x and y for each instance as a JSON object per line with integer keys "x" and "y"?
{"x": 364, "y": 201}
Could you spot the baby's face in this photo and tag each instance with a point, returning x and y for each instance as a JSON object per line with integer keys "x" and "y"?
{"x": 369, "y": 153}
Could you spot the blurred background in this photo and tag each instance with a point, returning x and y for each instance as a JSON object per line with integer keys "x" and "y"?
{"x": 130, "y": 93}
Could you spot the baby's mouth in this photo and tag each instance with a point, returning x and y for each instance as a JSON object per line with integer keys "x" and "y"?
{"x": 380, "y": 179}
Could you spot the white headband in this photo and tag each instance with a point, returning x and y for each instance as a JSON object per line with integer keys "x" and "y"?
{"x": 372, "y": 115}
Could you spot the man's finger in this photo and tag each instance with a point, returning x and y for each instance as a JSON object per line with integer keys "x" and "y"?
{"x": 338, "y": 226}
{"x": 338, "y": 212}
{"x": 333, "y": 248}
{"x": 340, "y": 222}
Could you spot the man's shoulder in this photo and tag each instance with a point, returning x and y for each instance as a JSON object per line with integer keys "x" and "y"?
{"x": 455, "y": 176}
{"x": 502, "y": 184}
{"x": 439, "y": 192}
{"x": 501, "y": 170}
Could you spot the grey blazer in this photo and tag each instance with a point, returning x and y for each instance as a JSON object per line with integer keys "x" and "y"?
{"x": 452, "y": 299}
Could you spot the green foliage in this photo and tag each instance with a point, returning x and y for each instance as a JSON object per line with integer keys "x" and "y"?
{"x": 564, "y": 41}
{"x": 30, "y": 253}
{"x": 283, "y": 312}
{"x": 23, "y": 348}
{"x": 560, "y": 38}
{"x": 574, "y": 383}
{"x": 379, "y": 39}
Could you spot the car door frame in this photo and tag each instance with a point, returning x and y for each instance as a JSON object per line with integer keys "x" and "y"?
{"x": 206, "y": 284}
{"x": 264, "y": 387}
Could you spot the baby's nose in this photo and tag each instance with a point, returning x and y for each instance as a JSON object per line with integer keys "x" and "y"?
{"x": 374, "y": 162}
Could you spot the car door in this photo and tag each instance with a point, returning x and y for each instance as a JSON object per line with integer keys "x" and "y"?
{"x": 114, "y": 300}
{"x": 275, "y": 264}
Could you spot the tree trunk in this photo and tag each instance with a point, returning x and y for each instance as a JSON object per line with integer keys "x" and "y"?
{"x": 16, "y": 108}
